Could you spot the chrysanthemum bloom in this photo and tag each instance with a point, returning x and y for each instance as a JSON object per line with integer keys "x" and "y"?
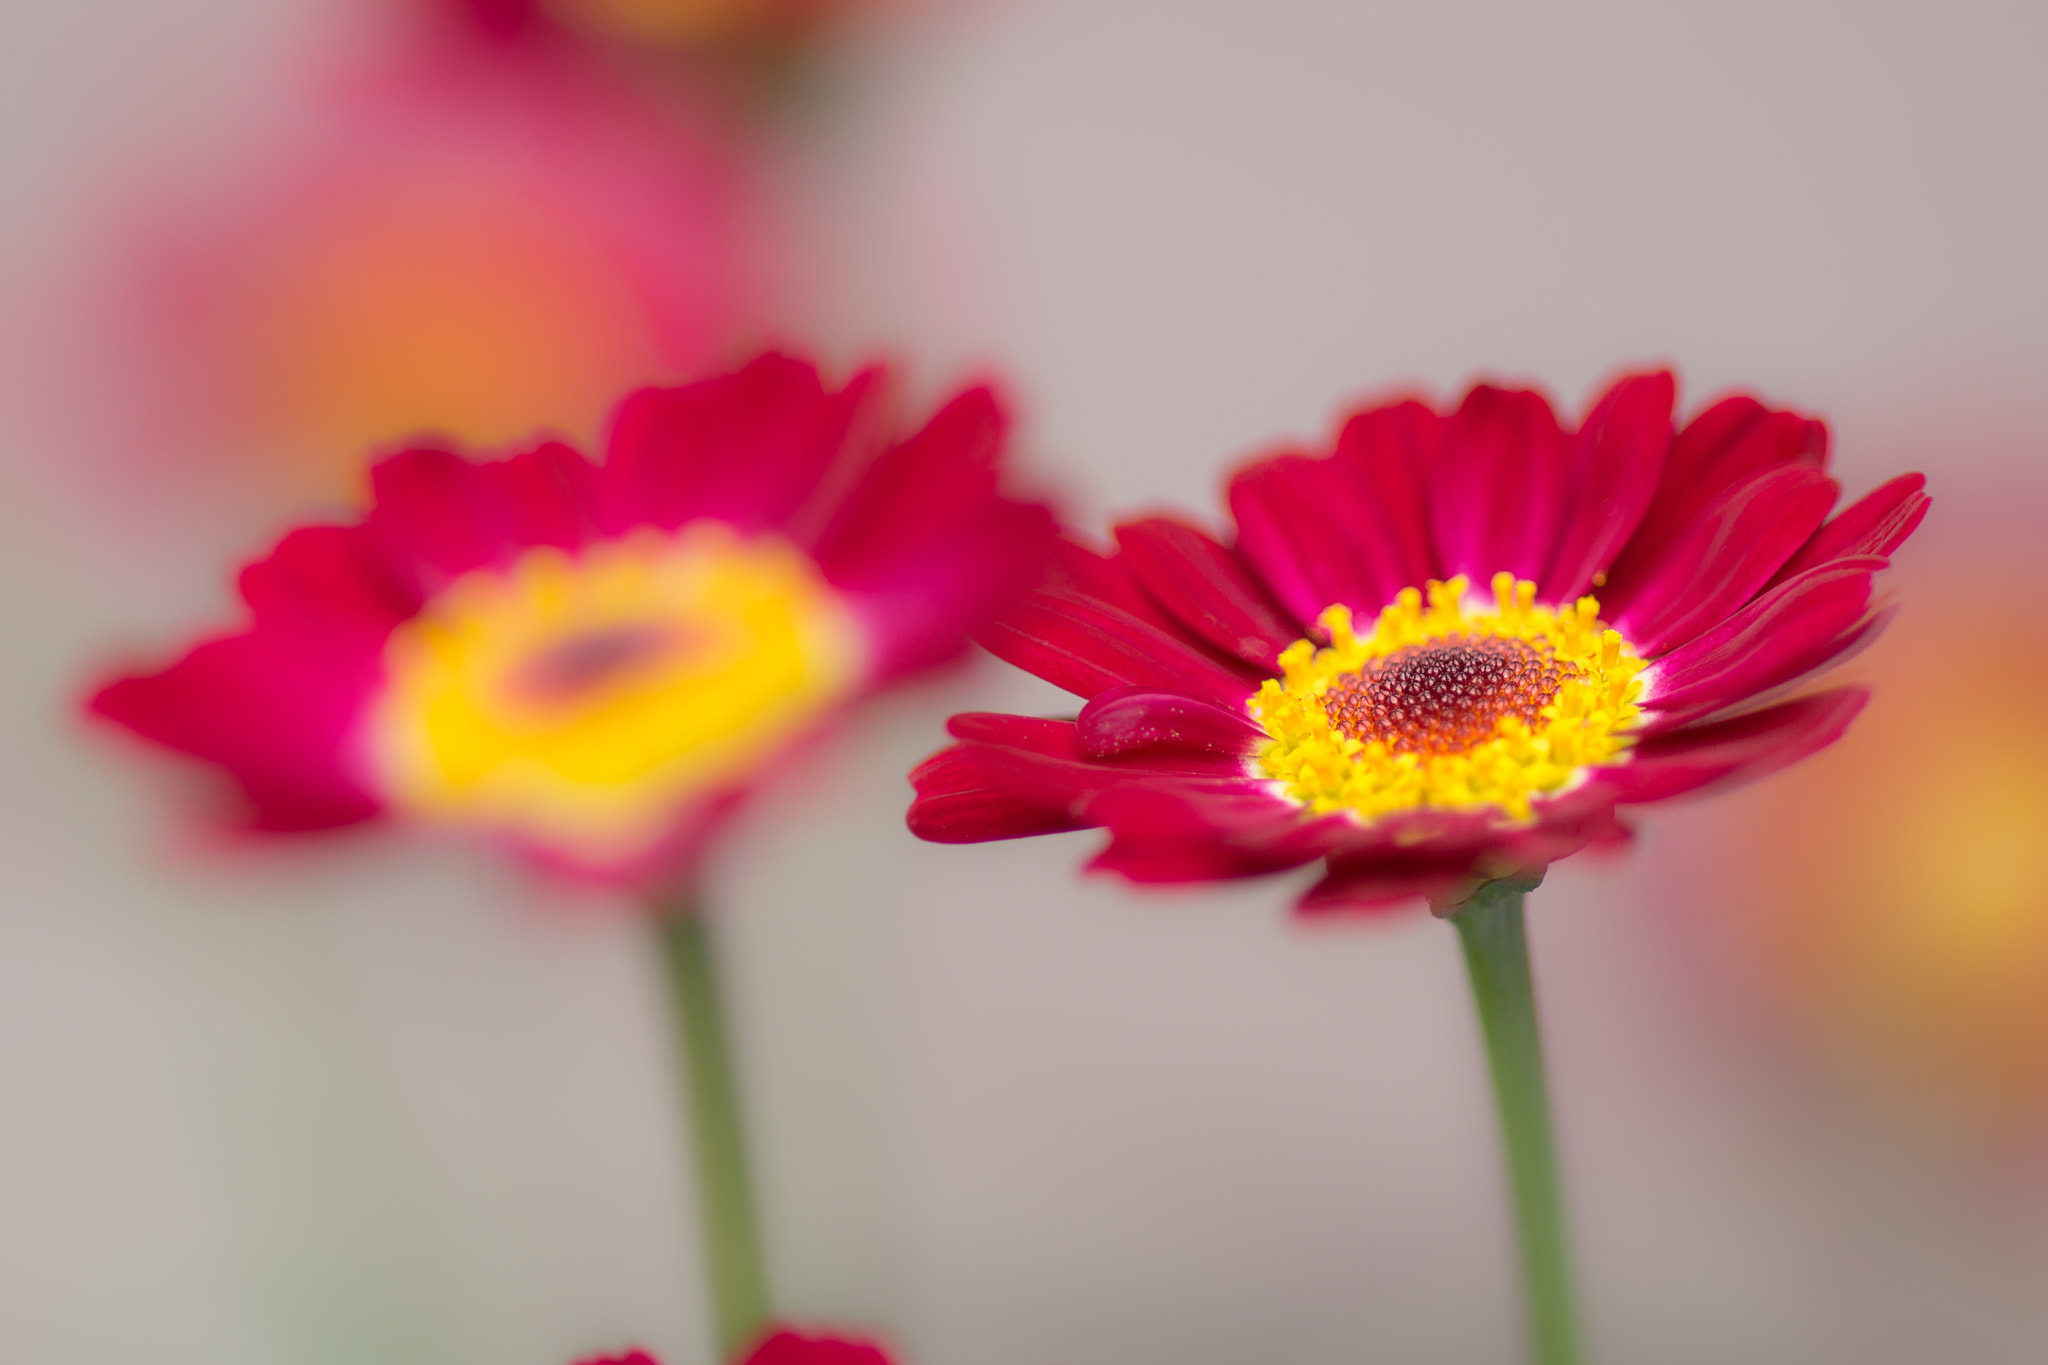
{"x": 1441, "y": 653}
{"x": 782, "y": 1347}
{"x": 591, "y": 661}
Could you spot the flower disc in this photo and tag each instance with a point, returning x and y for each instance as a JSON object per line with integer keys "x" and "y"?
{"x": 1454, "y": 705}
{"x": 579, "y": 700}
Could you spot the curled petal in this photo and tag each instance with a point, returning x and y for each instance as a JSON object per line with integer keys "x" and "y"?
{"x": 1795, "y": 628}
{"x": 1875, "y": 524}
{"x": 1725, "y": 557}
{"x": 1724, "y": 447}
{"x": 1137, "y": 720}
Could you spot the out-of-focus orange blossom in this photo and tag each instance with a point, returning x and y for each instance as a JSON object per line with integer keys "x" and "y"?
{"x": 471, "y": 249}
{"x": 681, "y": 22}
{"x": 1892, "y": 893}
{"x": 420, "y": 308}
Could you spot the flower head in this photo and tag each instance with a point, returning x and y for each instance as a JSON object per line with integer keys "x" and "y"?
{"x": 1442, "y": 653}
{"x": 594, "y": 660}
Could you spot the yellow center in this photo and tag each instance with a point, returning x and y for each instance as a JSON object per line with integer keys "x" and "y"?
{"x": 1456, "y": 704}
{"x": 583, "y": 701}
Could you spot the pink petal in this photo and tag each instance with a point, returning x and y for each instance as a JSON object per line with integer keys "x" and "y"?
{"x": 278, "y": 716}
{"x": 439, "y": 511}
{"x": 1875, "y": 524}
{"x": 331, "y": 583}
{"x": 748, "y": 447}
{"x": 1723, "y": 558}
{"x": 923, "y": 612}
{"x": 1614, "y": 463}
{"x": 1206, "y": 588}
{"x": 919, "y": 491}
{"x": 1497, "y": 489}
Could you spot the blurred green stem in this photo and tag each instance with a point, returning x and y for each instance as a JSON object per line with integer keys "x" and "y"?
{"x": 1497, "y": 960}
{"x": 725, "y": 1197}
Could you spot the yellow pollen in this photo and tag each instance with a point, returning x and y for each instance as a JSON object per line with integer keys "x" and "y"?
{"x": 582, "y": 701}
{"x": 1449, "y": 704}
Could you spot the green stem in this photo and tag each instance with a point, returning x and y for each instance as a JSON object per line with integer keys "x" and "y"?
{"x": 725, "y": 1199}
{"x": 1497, "y": 960}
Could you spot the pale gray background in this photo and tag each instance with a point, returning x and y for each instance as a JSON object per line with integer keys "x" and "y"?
{"x": 379, "y": 1101}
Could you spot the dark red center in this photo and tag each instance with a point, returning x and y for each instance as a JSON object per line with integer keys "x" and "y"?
{"x": 1444, "y": 696}
{"x": 573, "y": 669}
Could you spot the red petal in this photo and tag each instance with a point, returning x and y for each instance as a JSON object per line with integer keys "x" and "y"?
{"x": 1615, "y": 461}
{"x": 1729, "y": 444}
{"x": 1348, "y": 529}
{"x": 1724, "y": 557}
{"x": 1737, "y": 750}
{"x": 1040, "y": 734}
{"x": 1133, "y": 720}
{"x": 1186, "y": 832}
{"x": 1379, "y": 885}
{"x": 1497, "y": 490}
{"x": 1790, "y": 631}
{"x": 960, "y": 801}
{"x": 784, "y": 1347}
{"x": 1086, "y": 647}
{"x": 1875, "y": 524}
{"x": 1385, "y": 455}
{"x": 1205, "y": 588}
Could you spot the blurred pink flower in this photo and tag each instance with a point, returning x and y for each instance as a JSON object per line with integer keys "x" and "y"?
{"x": 474, "y": 248}
{"x": 593, "y": 662}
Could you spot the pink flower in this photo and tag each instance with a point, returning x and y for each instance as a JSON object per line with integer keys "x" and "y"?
{"x": 592, "y": 661}
{"x": 1398, "y": 665}
{"x": 471, "y": 247}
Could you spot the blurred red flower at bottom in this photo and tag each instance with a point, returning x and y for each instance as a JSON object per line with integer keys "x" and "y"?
{"x": 782, "y": 1347}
